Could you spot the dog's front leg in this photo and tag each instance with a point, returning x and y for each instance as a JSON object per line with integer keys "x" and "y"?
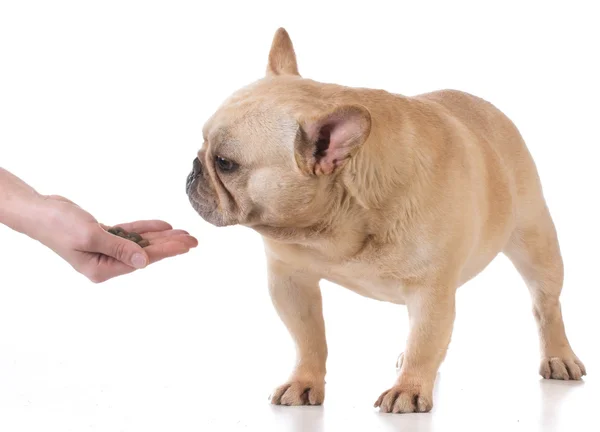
{"x": 431, "y": 315}
{"x": 297, "y": 298}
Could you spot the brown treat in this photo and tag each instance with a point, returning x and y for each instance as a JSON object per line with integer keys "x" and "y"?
{"x": 135, "y": 237}
{"x": 131, "y": 236}
{"x": 143, "y": 243}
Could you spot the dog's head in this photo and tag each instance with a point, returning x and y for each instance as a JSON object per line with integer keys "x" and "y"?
{"x": 273, "y": 152}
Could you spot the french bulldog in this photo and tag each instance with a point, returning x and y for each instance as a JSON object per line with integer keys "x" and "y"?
{"x": 400, "y": 199}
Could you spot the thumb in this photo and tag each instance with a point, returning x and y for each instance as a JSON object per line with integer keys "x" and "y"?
{"x": 123, "y": 250}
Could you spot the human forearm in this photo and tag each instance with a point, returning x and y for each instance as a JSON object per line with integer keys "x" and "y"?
{"x": 19, "y": 203}
{"x": 78, "y": 238}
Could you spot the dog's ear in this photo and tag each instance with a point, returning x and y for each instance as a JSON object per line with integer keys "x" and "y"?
{"x": 325, "y": 143}
{"x": 282, "y": 59}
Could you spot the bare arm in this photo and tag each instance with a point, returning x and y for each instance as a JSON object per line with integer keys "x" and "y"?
{"x": 17, "y": 203}
{"x": 77, "y": 236}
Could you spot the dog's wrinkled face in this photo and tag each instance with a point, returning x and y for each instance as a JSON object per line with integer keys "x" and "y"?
{"x": 270, "y": 150}
{"x": 244, "y": 168}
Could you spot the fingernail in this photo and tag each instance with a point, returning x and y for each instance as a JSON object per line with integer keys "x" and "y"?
{"x": 138, "y": 260}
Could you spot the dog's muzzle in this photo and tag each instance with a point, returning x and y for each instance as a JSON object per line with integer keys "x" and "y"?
{"x": 196, "y": 172}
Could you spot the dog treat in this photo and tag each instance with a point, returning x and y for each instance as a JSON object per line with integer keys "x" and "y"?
{"x": 116, "y": 230}
{"x": 143, "y": 243}
{"x": 135, "y": 237}
{"x": 132, "y": 236}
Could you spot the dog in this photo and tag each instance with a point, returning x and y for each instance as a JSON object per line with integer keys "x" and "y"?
{"x": 400, "y": 199}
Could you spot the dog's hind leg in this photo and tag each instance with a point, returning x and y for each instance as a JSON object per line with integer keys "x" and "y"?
{"x": 535, "y": 252}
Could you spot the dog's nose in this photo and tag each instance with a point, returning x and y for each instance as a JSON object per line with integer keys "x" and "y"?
{"x": 197, "y": 167}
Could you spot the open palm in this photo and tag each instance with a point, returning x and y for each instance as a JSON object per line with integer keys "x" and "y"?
{"x": 81, "y": 240}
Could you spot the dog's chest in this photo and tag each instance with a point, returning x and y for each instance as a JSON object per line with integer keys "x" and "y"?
{"x": 367, "y": 277}
{"x": 365, "y": 280}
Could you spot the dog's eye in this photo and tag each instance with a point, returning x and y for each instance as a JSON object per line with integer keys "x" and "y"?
{"x": 225, "y": 164}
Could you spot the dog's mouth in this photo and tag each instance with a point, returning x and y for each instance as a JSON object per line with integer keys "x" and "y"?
{"x": 189, "y": 183}
{"x": 194, "y": 174}
{"x": 203, "y": 203}
{"x": 191, "y": 190}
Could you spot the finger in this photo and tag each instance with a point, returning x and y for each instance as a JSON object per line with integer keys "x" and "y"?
{"x": 186, "y": 239}
{"x": 166, "y": 250}
{"x": 123, "y": 250}
{"x": 145, "y": 226}
{"x": 60, "y": 198}
{"x": 160, "y": 234}
{"x": 149, "y": 230}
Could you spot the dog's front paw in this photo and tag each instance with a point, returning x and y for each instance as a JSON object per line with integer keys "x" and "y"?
{"x": 295, "y": 393}
{"x": 404, "y": 399}
{"x": 559, "y": 368}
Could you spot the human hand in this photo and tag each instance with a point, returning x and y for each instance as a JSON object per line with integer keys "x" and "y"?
{"x": 79, "y": 239}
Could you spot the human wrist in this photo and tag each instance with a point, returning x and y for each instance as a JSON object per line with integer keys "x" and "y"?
{"x": 16, "y": 201}
{"x": 22, "y": 212}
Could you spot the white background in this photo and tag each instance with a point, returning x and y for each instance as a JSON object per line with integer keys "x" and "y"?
{"x": 103, "y": 102}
